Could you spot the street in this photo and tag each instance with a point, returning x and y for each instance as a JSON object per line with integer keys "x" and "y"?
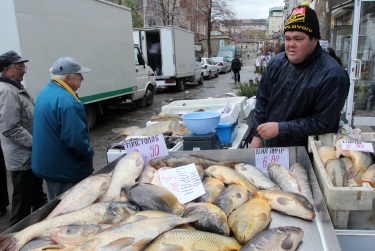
{"x": 102, "y": 137}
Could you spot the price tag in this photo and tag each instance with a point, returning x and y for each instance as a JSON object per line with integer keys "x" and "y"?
{"x": 264, "y": 156}
{"x": 150, "y": 147}
{"x": 184, "y": 182}
{"x": 357, "y": 146}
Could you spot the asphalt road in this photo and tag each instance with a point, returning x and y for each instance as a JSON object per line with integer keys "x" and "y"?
{"x": 102, "y": 137}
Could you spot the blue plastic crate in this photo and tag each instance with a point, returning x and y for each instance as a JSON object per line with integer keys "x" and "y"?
{"x": 227, "y": 132}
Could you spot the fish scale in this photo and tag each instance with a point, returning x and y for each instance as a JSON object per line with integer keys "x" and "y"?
{"x": 183, "y": 239}
{"x": 285, "y": 180}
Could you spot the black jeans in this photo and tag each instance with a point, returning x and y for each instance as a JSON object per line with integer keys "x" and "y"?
{"x": 28, "y": 195}
{"x": 237, "y": 77}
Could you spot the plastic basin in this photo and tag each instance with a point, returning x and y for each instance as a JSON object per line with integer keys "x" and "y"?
{"x": 201, "y": 122}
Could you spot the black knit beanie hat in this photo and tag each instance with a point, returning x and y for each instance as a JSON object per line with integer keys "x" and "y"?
{"x": 304, "y": 19}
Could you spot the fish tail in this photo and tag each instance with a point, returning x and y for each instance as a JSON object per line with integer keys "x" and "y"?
{"x": 7, "y": 243}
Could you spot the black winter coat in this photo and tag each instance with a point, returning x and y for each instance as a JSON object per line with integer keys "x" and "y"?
{"x": 236, "y": 65}
{"x": 306, "y": 99}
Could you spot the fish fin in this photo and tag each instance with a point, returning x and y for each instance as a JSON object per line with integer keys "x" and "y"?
{"x": 112, "y": 221}
{"x": 287, "y": 244}
{"x": 170, "y": 247}
{"x": 118, "y": 130}
{"x": 199, "y": 155}
{"x": 126, "y": 189}
{"x": 118, "y": 244}
{"x": 8, "y": 242}
{"x": 142, "y": 243}
{"x": 123, "y": 197}
{"x": 257, "y": 195}
{"x": 232, "y": 163}
{"x": 262, "y": 216}
{"x": 55, "y": 246}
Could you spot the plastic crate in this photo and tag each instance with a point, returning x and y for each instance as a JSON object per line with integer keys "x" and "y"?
{"x": 209, "y": 104}
{"x": 349, "y": 207}
{"x": 227, "y": 132}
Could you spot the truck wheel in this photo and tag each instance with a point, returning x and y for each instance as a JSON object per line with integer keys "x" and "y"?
{"x": 91, "y": 116}
{"x": 180, "y": 84}
{"x": 149, "y": 96}
{"x": 201, "y": 80}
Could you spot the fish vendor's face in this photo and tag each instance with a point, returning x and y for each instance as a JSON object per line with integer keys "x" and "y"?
{"x": 299, "y": 46}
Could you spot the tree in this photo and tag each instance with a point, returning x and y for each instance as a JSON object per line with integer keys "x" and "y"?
{"x": 167, "y": 12}
{"x": 216, "y": 12}
{"x": 323, "y": 9}
{"x": 137, "y": 17}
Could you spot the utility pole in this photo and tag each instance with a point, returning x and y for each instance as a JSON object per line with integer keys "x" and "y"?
{"x": 323, "y": 9}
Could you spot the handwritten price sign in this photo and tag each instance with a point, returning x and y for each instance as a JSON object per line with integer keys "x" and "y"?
{"x": 264, "y": 156}
{"x": 357, "y": 146}
{"x": 150, "y": 147}
{"x": 184, "y": 182}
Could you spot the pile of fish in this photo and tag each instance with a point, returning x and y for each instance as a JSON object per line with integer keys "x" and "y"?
{"x": 127, "y": 209}
{"x": 347, "y": 168}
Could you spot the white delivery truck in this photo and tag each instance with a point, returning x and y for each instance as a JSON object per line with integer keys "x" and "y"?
{"x": 177, "y": 55}
{"x": 96, "y": 33}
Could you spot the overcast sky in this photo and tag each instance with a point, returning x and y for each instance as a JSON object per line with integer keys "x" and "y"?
{"x": 254, "y": 9}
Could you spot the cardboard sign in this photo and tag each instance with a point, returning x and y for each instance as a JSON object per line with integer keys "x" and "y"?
{"x": 184, "y": 182}
{"x": 357, "y": 146}
{"x": 264, "y": 156}
{"x": 150, "y": 147}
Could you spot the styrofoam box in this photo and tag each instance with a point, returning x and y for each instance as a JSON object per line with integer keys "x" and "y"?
{"x": 209, "y": 104}
{"x": 113, "y": 154}
{"x": 229, "y": 118}
{"x": 250, "y": 105}
{"x": 341, "y": 201}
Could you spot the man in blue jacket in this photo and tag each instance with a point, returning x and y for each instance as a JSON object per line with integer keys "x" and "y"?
{"x": 302, "y": 90}
{"x": 62, "y": 154}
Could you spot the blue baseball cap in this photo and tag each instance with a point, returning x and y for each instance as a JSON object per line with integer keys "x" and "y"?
{"x": 68, "y": 65}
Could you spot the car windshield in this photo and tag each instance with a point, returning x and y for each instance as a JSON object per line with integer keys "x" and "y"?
{"x": 217, "y": 60}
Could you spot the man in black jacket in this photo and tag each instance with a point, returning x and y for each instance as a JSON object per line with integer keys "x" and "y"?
{"x": 236, "y": 67}
{"x": 302, "y": 90}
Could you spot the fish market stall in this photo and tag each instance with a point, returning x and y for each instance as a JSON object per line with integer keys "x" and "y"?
{"x": 351, "y": 206}
{"x": 319, "y": 233}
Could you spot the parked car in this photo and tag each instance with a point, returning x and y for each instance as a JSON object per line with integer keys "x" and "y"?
{"x": 210, "y": 69}
{"x": 198, "y": 73}
{"x": 222, "y": 63}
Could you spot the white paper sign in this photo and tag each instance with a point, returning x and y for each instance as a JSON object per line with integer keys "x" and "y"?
{"x": 357, "y": 146}
{"x": 184, "y": 182}
{"x": 264, "y": 156}
{"x": 150, "y": 147}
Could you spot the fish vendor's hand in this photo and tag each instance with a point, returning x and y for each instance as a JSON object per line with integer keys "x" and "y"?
{"x": 257, "y": 142}
{"x": 268, "y": 130}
